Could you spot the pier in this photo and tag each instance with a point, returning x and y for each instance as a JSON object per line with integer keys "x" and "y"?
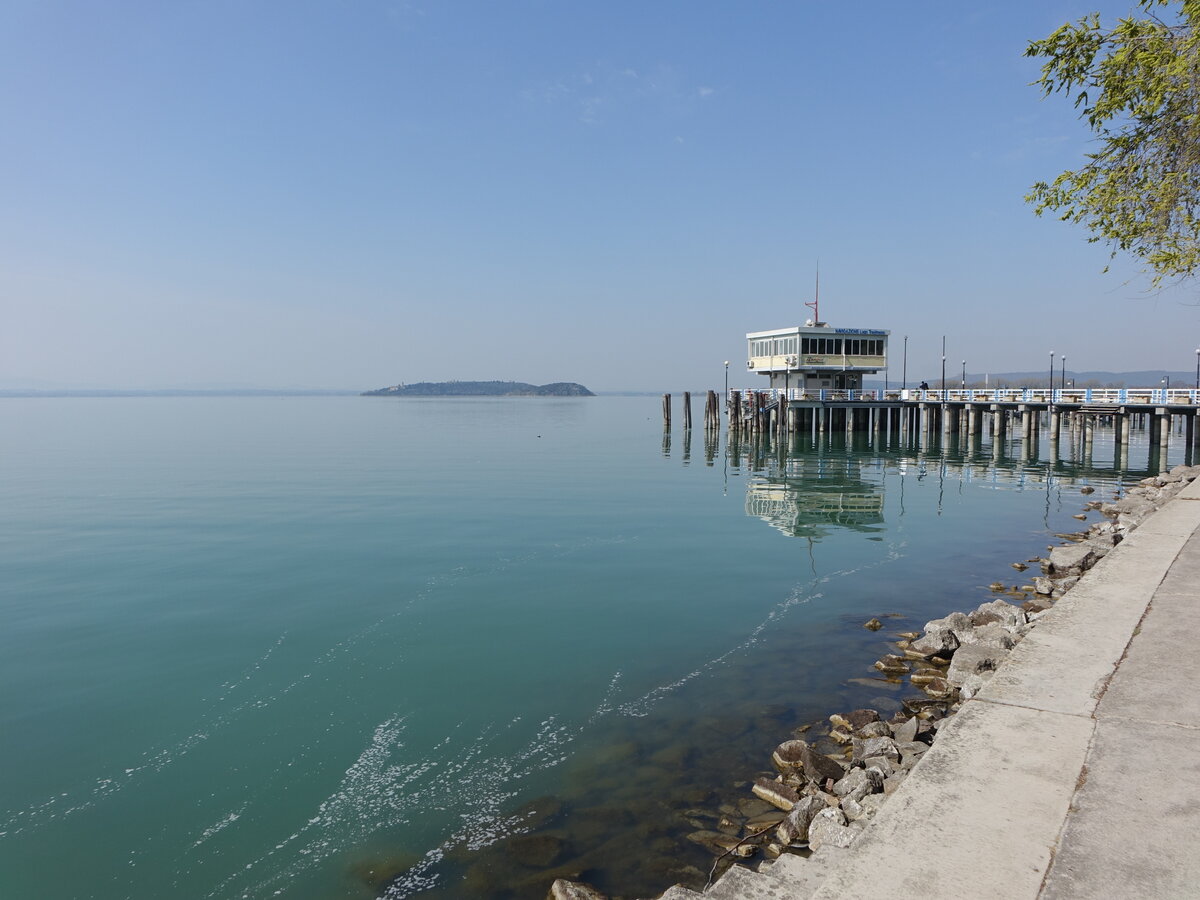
{"x": 921, "y": 415}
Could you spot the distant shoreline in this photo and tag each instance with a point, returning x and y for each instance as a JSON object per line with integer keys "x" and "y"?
{"x": 482, "y": 389}
{"x": 250, "y": 392}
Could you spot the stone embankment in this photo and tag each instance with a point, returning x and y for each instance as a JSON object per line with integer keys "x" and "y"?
{"x": 806, "y": 817}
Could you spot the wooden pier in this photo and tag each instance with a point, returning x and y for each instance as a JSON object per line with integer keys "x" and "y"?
{"x": 921, "y": 415}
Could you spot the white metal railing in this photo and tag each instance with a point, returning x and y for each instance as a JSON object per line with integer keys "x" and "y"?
{"x": 1098, "y": 396}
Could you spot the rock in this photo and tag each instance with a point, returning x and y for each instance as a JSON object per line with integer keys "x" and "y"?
{"x": 906, "y": 731}
{"x": 924, "y": 676}
{"x": 882, "y": 763}
{"x": 993, "y": 635}
{"x": 892, "y": 665}
{"x": 997, "y": 611}
{"x": 538, "y": 851}
{"x": 852, "y": 809}
{"x": 1043, "y": 585}
{"x": 974, "y": 659}
{"x": 938, "y": 689}
{"x": 934, "y": 643}
{"x": 876, "y": 746}
{"x": 750, "y": 807}
{"x": 828, "y": 828}
{"x": 766, "y": 820}
{"x": 854, "y": 720}
{"x": 776, "y": 793}
{"x": 1087, "y": 489}
{"x": 971, "y": 686}
{"x": 874, "y": 729}
{"x": 1020, "y": 567}
{"x": 1036, "y": 605}
{"x": 715, "y": 842}
{"x": 795, "y": 827}
{"x": 819, "y": 768}
{"x": 873, "y": 624}
{"x": 859, "y": 782}
{"x": 997, "y": 586}
{"x": 910, "y": 753}
{"x": 789, "y": 756}
{"x": 1071, "y": 560}
{"x": 573, "y": 890}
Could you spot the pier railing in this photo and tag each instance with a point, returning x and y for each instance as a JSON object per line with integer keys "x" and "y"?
{"x": 1099, "y": 396}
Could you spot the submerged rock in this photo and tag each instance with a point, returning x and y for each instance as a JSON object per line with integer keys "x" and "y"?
{"x": 573, "y": 890}
{"x": 535, "y": 850}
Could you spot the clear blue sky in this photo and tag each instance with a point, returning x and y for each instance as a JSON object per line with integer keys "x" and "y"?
{"x": 355, "y": 194}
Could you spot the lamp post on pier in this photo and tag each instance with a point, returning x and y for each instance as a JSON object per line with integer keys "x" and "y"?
{"x": 1064, "y": 371}
{"x": 964, "y": 375}
{"x": 943, "y": 368}
{"x": 1198, "y": 368}
{"x": 1050, "y": 399}
{"x": 904, "y": 371}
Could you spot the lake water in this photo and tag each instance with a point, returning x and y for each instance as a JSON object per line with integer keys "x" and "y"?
{"x": 332, "y": 647}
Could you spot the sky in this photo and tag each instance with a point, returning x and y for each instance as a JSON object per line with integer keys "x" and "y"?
{"x": 349, "y": 195}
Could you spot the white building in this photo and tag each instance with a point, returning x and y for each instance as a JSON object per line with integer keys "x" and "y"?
{"x": 816, "y": 356}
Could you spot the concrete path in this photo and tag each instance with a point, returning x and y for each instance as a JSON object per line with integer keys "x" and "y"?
{"x": 1076, "y": 771}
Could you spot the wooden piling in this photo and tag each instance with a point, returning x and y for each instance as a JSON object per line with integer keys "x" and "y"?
{"x": 666, "y": 410}
{"x": 687, "y": 409}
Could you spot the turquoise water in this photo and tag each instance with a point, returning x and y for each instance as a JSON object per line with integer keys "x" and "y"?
{"x": 297, "y": 646}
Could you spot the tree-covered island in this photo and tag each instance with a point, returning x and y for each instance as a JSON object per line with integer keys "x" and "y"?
{"x": 482, "y": 389}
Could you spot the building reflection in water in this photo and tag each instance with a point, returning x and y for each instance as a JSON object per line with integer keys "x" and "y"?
{"x": 810, "y": 487}
{"x": 815, "y": 494}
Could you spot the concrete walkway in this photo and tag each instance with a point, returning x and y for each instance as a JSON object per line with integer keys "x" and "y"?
{"x": 1075, "y": 773}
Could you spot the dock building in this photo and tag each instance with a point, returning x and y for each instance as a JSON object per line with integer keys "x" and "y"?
{"x": 815, "y": 356}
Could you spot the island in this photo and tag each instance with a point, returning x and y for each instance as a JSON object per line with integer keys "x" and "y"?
{"x": 482, "y": 389}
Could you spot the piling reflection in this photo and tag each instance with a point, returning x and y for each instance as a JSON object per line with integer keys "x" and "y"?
{"x": 809, "y": 485}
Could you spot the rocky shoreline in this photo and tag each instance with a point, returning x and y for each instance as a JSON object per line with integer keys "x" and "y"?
{"x": 828, "y": 781}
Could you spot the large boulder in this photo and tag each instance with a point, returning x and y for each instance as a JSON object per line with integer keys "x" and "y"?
{"x": 795, "y": 827}
{"x": 1073, "y": 559}
{"x": 828, "y": 827}
{"x": 998, "y": 612}
{"x": 876, "y": 746}
{"x": 974, "y": 659}
{"x": 819, "y": 768}
{"x": 992, "y": 635}
{"x": 789, "y": 756}
{"x": 860, "y": 782}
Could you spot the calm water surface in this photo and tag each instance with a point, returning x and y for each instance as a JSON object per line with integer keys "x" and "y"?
{"x": 338, "y": 647}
